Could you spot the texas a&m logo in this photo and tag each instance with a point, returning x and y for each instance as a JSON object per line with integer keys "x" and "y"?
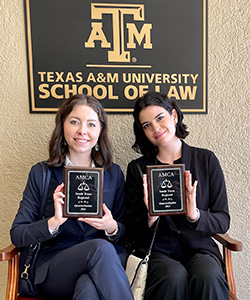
{"x": 119, "y": 52}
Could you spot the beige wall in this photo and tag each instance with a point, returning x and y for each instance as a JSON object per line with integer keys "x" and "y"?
{"x": 225, "y": 129}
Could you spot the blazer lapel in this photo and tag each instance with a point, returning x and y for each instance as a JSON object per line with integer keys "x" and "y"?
{"x": 80, "y": 224}
{"x": 58, "y": 171}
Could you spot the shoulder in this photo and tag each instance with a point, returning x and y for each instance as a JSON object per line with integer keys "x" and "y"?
{"x": 203, "y": 152}
{"x": 203, "y": 155}
{"x": 137, "y": 167}
{"x": 115, "y": 170}
{"x": 141, "y": 163}
{"x": 113, "y": 178}
{"x": 40, "y": 169}
{"x": 37, "y": 175}
{"x": 36, "y": 170}
{"x": 143, "y": 160}
{"x": 42, "y": 165}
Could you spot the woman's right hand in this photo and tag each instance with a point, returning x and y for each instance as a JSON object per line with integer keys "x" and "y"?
{"x": 151, "y": 219}
{"x": 58, "y": 218}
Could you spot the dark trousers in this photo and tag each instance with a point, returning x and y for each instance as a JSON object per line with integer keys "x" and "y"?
{"x": 91, "y": 270}
{"x": 198, "y": 278}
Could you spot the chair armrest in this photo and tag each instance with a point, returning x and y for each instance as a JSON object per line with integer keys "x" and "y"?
{"x": 228, "y": 242}
{"x": 229, "y": 245}
{"x": 8, "y": 253}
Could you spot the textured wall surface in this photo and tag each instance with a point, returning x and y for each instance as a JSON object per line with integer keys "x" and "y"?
{"x": 225, "y": 129}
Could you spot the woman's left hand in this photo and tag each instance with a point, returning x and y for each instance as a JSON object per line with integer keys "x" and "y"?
{"x": 191, "y": 196}
{"x": 105, "y": 223}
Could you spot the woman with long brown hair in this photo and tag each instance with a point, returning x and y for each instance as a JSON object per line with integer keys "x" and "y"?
{"x": 78, "y": 258}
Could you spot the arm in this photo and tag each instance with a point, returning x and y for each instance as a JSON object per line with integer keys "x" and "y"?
{"x": 213, "y": 204}
{"x": 58, "y": 219}
{"x": 27, "y": 228}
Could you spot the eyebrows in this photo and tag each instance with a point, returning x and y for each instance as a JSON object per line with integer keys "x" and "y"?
{"x": 157, "y": 116}
{"x": 88, "y": 120}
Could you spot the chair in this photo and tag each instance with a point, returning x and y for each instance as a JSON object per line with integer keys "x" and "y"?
{"x": 10, "y": 254}
{"x": 229, "y": 245}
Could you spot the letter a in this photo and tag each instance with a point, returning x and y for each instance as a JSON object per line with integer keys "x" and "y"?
{"x": 97, "y": 34}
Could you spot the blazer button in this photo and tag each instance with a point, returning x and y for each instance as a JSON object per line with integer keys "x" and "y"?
{"x": 80, "y": 239}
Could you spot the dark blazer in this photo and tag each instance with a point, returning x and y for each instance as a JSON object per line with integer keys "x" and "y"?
{"x": 27, "y": 229}
{"x": 211, "y": 201}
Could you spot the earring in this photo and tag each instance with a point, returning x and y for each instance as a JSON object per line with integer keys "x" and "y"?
{"x": 97, "y": 148}
{"x": 65, "y": 143}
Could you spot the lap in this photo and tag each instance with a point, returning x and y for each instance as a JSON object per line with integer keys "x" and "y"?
{"x": 167, "y": 278}
{"x": 204, "y": 265}
{"x": 200, "y": 275}
{"x": 162, "y": 265}
{"x": 68, "y": 265}
{"x": 197, "y": 263}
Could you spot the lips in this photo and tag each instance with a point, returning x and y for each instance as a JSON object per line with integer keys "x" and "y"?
{"x": 81, "y": 141}
{"x": 160, "y": 135}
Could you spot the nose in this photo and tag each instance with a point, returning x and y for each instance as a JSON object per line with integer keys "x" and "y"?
{"x": 82, "y": 129}
{"x": 156, "y": 127}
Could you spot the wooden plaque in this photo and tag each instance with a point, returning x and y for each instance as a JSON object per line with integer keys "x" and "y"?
{"x": 166, "y": 190}
{"x": 83, "y": 189}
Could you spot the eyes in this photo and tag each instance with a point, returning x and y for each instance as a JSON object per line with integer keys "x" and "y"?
{"x": 145, "y": 126}
{"x": 157, "y": 119}
{"x": 161, "y": 117}
{"x": 74, "y": 122}
{"x": 89, "y": 123}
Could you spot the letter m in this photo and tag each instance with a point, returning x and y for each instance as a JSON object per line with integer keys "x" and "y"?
{"x": 139, "y": 36}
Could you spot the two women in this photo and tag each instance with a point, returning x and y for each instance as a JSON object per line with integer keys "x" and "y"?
{"x": 185, "y": 262}
{"x": 79, "y": 258}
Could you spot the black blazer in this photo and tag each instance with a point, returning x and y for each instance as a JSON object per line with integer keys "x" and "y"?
{"x": 27, "y": 229}
{"x": 211, "y": 200}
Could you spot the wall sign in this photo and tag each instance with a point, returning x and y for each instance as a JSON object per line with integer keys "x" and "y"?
{"x": 116, "y": 51}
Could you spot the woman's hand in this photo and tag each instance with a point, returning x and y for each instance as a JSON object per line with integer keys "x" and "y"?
{"x": 192, "y": 213}
{"x": 151, "y": 219}
{"x": 57, "y": 219}
{"x": 105, "y": 223}
{"x": 145, "y": 190}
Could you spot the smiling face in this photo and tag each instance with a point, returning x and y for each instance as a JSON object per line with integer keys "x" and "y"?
{"x": 81, "y": 130}
{"x": 158, "y": 125}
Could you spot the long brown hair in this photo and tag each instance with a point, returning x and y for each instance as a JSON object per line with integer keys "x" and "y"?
{"x": 58, "y": 147}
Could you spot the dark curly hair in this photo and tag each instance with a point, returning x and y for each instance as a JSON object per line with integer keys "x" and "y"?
{"x": 57, "y": 146}
{"x": 142, "y": 144}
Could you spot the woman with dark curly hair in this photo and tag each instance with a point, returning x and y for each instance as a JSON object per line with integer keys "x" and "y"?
{"x": 78, "y": 258}
{"x": 185, "y": 262}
